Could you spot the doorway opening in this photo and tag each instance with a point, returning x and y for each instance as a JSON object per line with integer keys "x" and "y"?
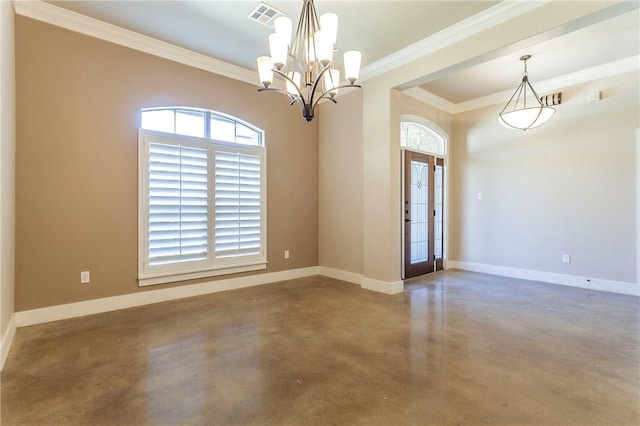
{"x": 423, "y": 198}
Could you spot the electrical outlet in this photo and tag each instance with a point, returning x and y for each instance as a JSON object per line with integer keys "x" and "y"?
{"x": 84, "y": 277}
{"x": 566, "y": 258}
{"x": 286, "y": 254}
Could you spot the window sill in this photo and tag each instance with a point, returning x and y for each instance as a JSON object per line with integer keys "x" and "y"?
{"x": 171, "y": 277}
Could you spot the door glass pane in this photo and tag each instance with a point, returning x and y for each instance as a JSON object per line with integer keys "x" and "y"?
{"x": 438, "y": 206}
{"x": 419, "y": 212}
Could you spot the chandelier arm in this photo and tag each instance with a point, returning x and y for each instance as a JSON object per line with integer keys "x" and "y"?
{"x": 347, "y": 86}
{"x": 292, "y": 98}
{"x": 315, "y": 83}
{"x": 273, "y": 89}
{"x": 326, "y": 95}
{"x": 283, "y": 75}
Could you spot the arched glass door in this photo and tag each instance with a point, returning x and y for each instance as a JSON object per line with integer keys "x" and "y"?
{"x": 423, "y": 199}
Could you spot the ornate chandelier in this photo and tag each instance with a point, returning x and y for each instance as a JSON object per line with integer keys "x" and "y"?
{"x": 516, "y": 114}
{"x": 305, "y": 63}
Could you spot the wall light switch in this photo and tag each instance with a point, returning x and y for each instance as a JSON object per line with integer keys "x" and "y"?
{"x": 566, "y": 258}
{"x": 479, "y": 195}
{"x": 84, "y": 277}
{"x": 286, "y": 254}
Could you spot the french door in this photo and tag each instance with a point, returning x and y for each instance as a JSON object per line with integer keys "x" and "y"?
{"x": 423, "y": 213}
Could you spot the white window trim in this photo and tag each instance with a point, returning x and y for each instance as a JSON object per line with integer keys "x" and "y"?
{"x": 200, "y": 269}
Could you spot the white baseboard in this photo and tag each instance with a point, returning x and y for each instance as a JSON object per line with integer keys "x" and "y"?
{"x": 366, "y": 283}
{"x": 7, "y": 339}
{"x": 382, "y": 286}
{"x": 338, "y": 274}
{"x": 107, "y": 304}
{"x": 89, "y": 307}
{"x": 632, "y": 289}
{"x": 96, "y": 306}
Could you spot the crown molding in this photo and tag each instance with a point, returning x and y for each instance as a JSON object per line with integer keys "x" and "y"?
{"x": 73, "y": 21}
{"x": 54, "y": 15}
{"x": 502, "y": 12}
{"x": 427, "y": 97}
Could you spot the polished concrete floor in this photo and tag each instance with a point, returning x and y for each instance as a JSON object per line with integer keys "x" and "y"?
{"x": 455, "y": 348}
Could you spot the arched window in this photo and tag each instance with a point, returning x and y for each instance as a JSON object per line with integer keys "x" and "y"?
{"x": 200, "y": 123}
{"x": 420, "y": 137}
{"x": 202, "y": 195}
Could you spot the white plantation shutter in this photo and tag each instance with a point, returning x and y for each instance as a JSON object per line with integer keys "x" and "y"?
{"x": 202, "y": 209}
{"x": 177, "y": 204}
{"x": 237, "y": 204}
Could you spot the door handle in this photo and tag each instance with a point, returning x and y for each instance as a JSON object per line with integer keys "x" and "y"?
{"x": 407, "y": 220}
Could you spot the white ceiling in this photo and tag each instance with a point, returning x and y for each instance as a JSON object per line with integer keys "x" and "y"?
{"x": 221, "y": 29}
{"x": 608, "y": 41}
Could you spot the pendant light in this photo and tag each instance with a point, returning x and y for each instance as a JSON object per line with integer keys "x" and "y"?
{"x": 519, "y": 115}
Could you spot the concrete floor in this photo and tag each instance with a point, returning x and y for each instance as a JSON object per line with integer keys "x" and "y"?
{"x": 455, "y": 348}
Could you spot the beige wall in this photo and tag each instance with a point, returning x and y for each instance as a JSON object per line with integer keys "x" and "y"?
{"x": 78, "y": 103}
{"x": 7, "y": 166}
{"x": 340, "y": 231}
{"x": 341, "y": 176}
{"x": 412, "y": 106}
{"x": 381, "y": 165}
{"x": 381, "y": 245}
{"x": 567, "y": 187}
{"x": 76, "y": 166}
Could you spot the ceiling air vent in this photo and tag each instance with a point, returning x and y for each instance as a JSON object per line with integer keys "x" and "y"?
{"x": 265, "y": 14}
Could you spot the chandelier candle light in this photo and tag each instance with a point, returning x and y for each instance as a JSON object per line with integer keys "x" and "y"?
{"x": 305, "y": 63}
{"x": 516, "y": 114}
